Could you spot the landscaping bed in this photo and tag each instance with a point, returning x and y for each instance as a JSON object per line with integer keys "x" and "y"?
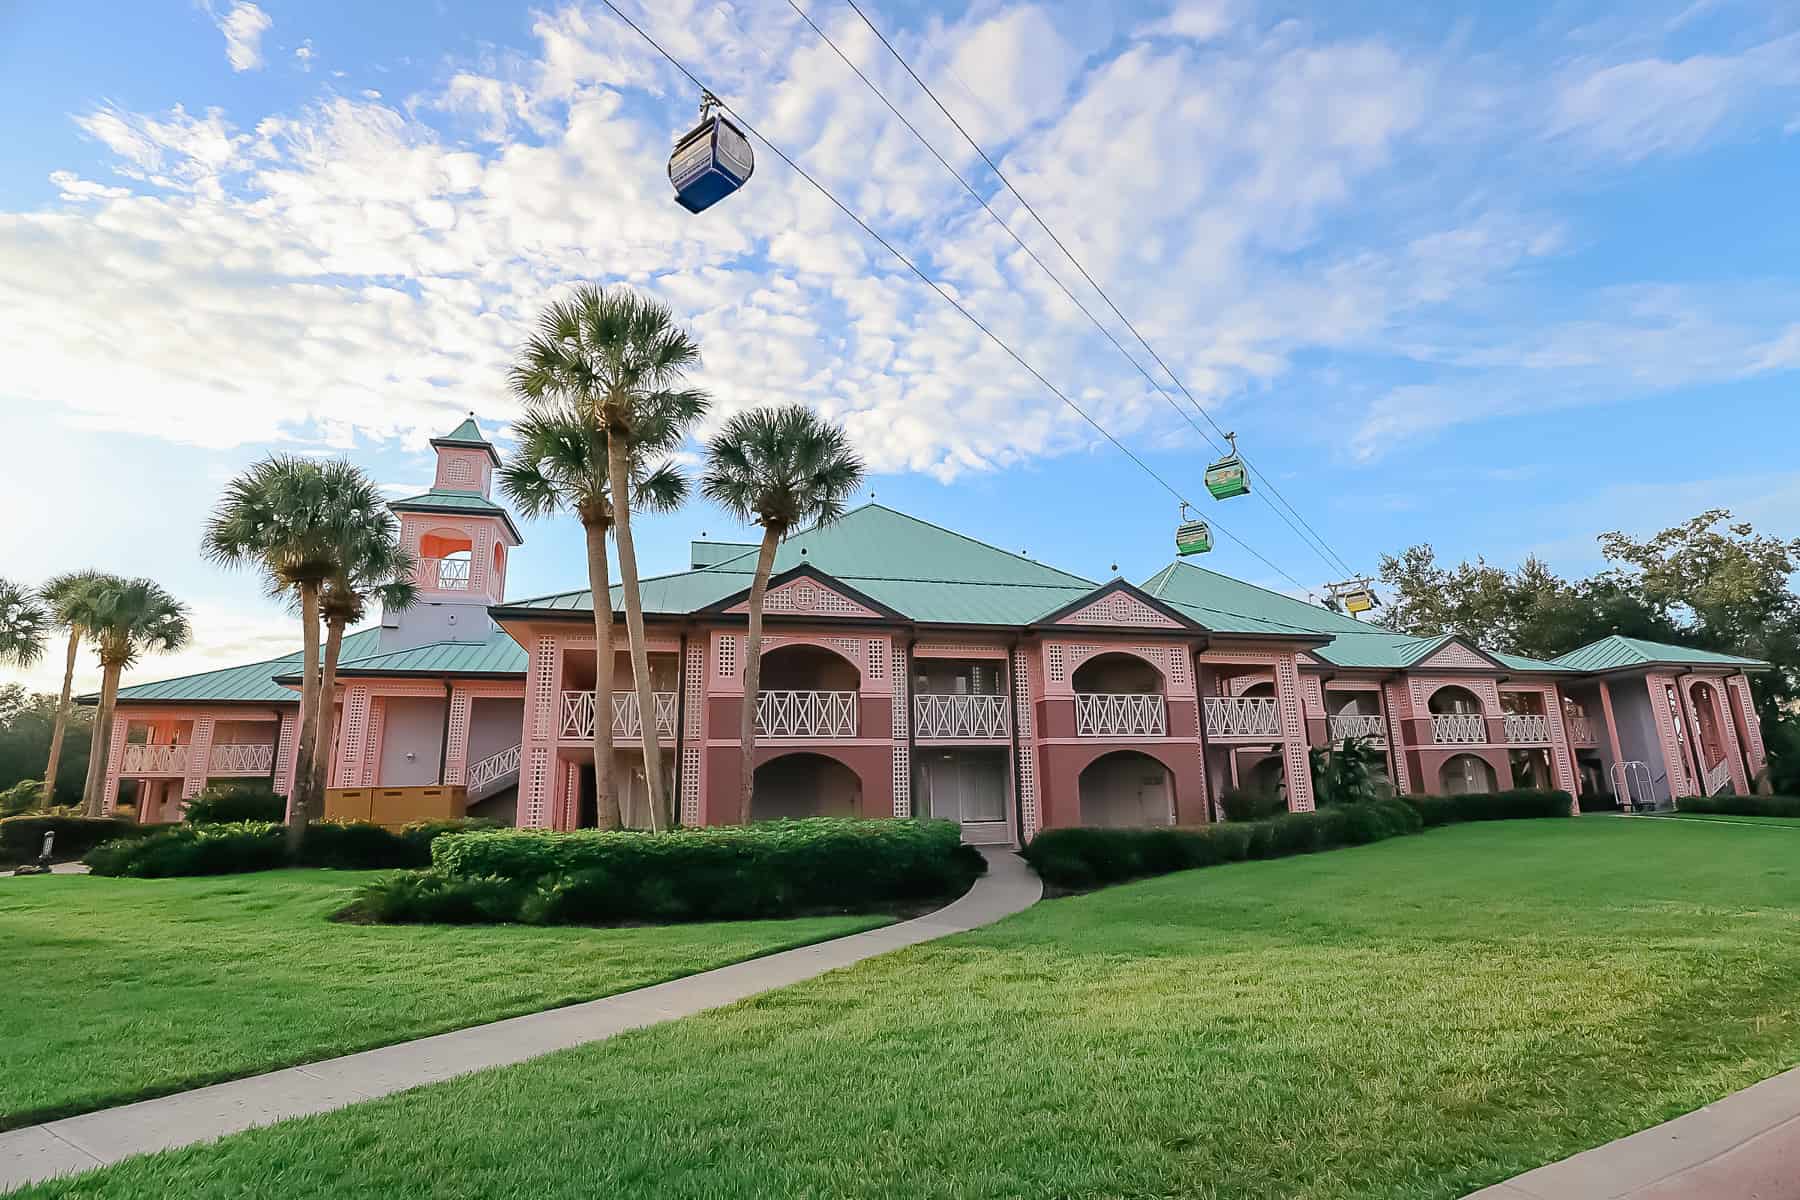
{"x": 768, "y": 869}
{"x": 232, "y": 847}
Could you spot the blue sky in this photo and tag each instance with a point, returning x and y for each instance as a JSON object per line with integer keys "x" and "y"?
{"x": 1494, "y": 277}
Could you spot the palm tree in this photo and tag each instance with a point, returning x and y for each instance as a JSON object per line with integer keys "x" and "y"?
{"x": 24, "y": 624}
{"x": 781, "y": 468}
{"x": 371, "y": 564}
{"x": 134, "y": 616}
{"x": 615, "y": 359}
{"x": 71, "y": 598}
{"x": 277, "y": 517}
{"x": 560, "y": 463}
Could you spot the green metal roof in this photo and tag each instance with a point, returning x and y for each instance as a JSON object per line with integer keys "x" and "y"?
{"x": 252, "y": 683}
{"x": 914, "y": 567}
{"x": 468, "y": 434}
{"x": 711, "y": 554}
{"x": 455, "y": 501}
{"x": 499, "y": 655}
{"x": 1618, "y": 652}
{"x": 1520, "y": 662}
{"x": 1230, "y": 605}
{"x": 1377, "y": 649}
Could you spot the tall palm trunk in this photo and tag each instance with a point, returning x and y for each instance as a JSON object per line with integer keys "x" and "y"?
{"x": 303, "y": 800}
{"x": 326, "y": 730}
{"x": 62, "y": 718}
{"x": 619, "y": 481}
{"x": 93, "y": 795}
{"x": 759, "y": 583}
{"x": 606, "y": 798}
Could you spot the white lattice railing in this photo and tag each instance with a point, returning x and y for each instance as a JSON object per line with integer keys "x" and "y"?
{"x": 1458, "y": 728}
{"x": 446, "y": 574}
{"x": 1356, "y": 725}
{"x": 937, "y": 716}
{"x": 1584, "y": 730}
{"x": 1120, "y": 714}
{"x": 241, "y": 758}
{"x": 490, "y": 769}
{"x": 1242, "y": 716}
{"x": 154, "y": 760}
{"x": 806, "y": 714}
{"x": 1718, "y": 777}
{"x": 1527, "y": 727}
{"x": 578, "y": 715}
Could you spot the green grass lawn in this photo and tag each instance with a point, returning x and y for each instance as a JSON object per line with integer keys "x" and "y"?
{"x": 1730, "y": 818}
{"x": 1411, "y": 1019}
{"x": 121, "y": 988}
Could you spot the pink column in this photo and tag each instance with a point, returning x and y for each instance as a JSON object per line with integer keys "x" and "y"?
{"x": 199, "y": 758}
{"x": 286, "y": 753}
{"x": 1750, "y": 736}
{"x": 352, "y": 739}
{"x": 1562, "y": 754}
{"x": 536, "y": 784}
{"x": 1612, "y": 726}
{"x": 1293, "y": 734}
{"x": 1675, "y": 766}
{"x": 1023, "y": 712}
{"x": 456, "y": 747}
{"x": 1394, "y": 710}
{"x": 115, "y": 758}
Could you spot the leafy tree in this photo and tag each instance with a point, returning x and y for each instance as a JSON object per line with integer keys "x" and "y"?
{"x": 24, "y": 624}
{"x": 617, "y": 358}
{"x": 1346, "y": 774}
{"x": 780, "y": 468}
{"x": 278, "y": 518}
{"x": 559, "y": 463}
{"x": 72, "y": 599}
{"x": 27, "y": 721}
{"x": 134, "y": 617}
{"x": 369, "y": 564}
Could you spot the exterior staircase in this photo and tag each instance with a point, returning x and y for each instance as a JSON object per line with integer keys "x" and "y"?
{"x": 493, "y": 774}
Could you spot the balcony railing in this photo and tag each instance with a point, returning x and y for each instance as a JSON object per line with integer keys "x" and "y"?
{"x": 1129, "y": 714}
{"x": 1458, "y": 728}
{"x": 1242, "y": 716}
{"x": 492, "y": 769}
{"x": 445, "y": 574}
{"x": 241, "y": 758}
{"x": 806, "y": 714}
{"x": 1584, "y": 731}
{"x": 1527, "y": 727}
{"x": 1718, "y": 777}
{"x": 936, "y": 716}
{"x": 1357, "y": 725}
{"x": 578, "y": 715}
{"x": 154, "y": 760}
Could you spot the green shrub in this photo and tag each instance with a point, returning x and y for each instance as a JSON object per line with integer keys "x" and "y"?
{"x": 1518, "y": 804}
{"x": 1246, "y": 804}
{"x": 22, "y": 837}
{"x": 1083, "y": 858}
{"x": 769, "y": 869}
{"x": 228, "y": 803}
{"x": 21, "y": 797}
{"x": 1599, "y": 802}
{"x": 1742, "y": 806}
{"x": 425, "y": 897}
{"x": 234, "y": 847}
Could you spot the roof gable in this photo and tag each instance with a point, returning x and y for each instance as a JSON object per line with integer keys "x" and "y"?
{"x": 1119, "y": 603}
{"x": 807, "y": 591}
{"x": 468, "y": 434}
{"x": 1455, "y": 654}
{"x": 1617, "y": 652}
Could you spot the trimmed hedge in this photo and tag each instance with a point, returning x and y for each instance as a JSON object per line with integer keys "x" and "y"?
{"x": 1517, "y": 804}
{"x": 1085, "y": 858}
{"x": 231, "y": 803}
{"x": 233, "y": 847}
{"x": 1742, "y": 806}
{"x": 22, "y": 837}
{"x": 1247, "y": 804}
{"x": 769, "y": 869}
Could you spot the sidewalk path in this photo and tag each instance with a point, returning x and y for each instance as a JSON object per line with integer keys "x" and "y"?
{"x": 1745, "y": 1147}
{"x": 100, "y": 1138}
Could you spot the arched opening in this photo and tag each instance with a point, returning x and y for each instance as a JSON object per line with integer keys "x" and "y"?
{"x": 1465, "y": 775}
{"x": 444, "y": 560}
{"x": 804, "y": 668}
{"x": 1264, "y": 690}
{"x": 1117, "y": 674}
{"x": 1266, "y": 776}
{"x": 1712, "y": 745}
{"x": 1124, "y": 789}
{"x": 499, "y": 566}
{"x": 1453, "y": 699}
{"x": 805, "y": 785}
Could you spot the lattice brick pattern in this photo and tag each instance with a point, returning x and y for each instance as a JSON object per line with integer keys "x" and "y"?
{"x": 457, "y": 753}
{"x": 728, "y": 656}
{"x": 541, "y": 690}
{"x": 115, "y": 757}
{"x": 694, "y": 680}
{"x": 690, "y": 785}
{"x": 1299, "y": 765}
{"x": 1396, "y": 696}
{"x": 1121, "y": 609}
{"x": 877, "y": 659}
{"x": 902, "y": 755}
{"x": 356, "y": 721}
{"x": 1027, "y": 765}
{"x": 535, "y": 796}
{"x": 371, "y": 751}
{"x": 199, "y": 757}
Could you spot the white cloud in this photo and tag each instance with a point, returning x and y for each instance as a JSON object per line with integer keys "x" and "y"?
{"x": 243, "y": 26}
{"x": 1197, "y": 20}
{"x": 304, "y": 54}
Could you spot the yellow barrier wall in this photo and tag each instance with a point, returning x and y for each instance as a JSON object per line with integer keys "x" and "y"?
{"x": 394, "y": 807}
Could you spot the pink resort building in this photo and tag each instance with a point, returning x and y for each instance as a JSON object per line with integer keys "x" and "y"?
{"x": 907, "y": 669}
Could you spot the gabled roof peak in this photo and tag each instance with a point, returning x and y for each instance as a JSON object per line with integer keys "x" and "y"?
{"x": 467, "y": 436}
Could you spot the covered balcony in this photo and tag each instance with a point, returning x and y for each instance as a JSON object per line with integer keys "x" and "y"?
{"x": 1526, "y": 722}
{"x": 580, "y": 706}
{"x": 164, "y": 749}
{"x": 1457, "y": 718}
{"x": 1355, "y": 715}
{"x": 807, "y": 692}
{"x": 1119, "y": 695}
{"x": 961, "y": 700}
{"x": 1253, "y": 715}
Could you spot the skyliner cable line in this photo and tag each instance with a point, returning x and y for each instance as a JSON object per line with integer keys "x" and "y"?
{"x": 1317, "y": 541}
{"x": 910, "y": 265}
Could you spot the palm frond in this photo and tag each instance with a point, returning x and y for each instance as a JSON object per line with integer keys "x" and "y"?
{"x": 782, "y": 468}
{"x": 25, "y": 623}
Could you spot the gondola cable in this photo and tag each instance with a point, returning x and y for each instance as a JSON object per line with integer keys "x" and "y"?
{"x": 936, "y": 287}
{"x": 1316, "y": 539}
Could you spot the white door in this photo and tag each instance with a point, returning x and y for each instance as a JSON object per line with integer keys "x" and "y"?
{"x": 971, "y": 787}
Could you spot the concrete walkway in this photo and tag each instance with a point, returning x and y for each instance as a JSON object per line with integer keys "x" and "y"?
{"x": 100, "y": 1138}
{"x": 1745, "y": 1147}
